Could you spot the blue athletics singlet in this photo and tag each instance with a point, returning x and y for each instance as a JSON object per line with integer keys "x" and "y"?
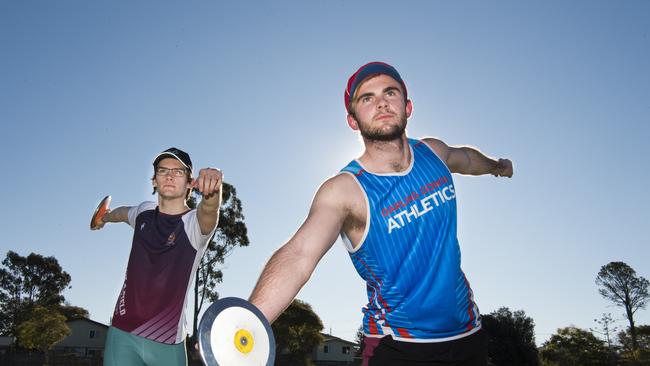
{"x": 409, "y": 254}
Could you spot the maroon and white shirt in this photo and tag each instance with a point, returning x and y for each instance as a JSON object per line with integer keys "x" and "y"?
{"x": 165, "y": 255}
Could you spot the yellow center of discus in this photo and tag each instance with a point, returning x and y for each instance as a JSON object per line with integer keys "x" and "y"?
{"x": 244, "y": 341}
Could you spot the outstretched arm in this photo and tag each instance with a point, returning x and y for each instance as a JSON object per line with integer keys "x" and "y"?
{"x": 120, "y": 214}
{"x": 291, "y": 266}
{"x": 469, "y": 160}
{"x": 209, "y": 183}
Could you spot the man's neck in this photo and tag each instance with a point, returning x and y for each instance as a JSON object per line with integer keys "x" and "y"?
{"x": 386, "y": 156}
{"x": 172, "y": 206}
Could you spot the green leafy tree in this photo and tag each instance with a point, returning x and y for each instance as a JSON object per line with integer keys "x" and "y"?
{"x": 619, "y": 284}
{"x": 26, "y": 282}
{"x": 573, "y": 346}
{"x": 511, "y": 338}
{"x": 231, "y": 233}
{"x": 297, "y": 332}
{"x": 73, "y": 312}
{"x": 642, "y": 354}
{"x": 42, "y": 329}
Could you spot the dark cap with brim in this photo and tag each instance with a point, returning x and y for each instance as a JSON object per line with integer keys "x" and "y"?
{"x": 177, "y": 154}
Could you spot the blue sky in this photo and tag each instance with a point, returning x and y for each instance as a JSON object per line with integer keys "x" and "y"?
{"x": 90, "y": 92}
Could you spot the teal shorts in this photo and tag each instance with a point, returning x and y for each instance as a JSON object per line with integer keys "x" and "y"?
{"x": 126, "y": 349}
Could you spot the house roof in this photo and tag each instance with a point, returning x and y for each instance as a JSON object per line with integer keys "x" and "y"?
{"x": 87, "y": 320}
{"x": 329, "y": 337}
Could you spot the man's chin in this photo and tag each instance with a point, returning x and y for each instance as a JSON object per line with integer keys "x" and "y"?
{"x": 383, "y": 136}
{"x": 168, "y": 196}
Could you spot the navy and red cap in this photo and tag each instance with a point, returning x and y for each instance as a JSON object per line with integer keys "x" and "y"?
{"x": 369, "y": 69}
{"x": 177, "y": 154}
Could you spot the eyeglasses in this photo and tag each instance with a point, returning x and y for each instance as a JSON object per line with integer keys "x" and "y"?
{"x": 176, "y": 172}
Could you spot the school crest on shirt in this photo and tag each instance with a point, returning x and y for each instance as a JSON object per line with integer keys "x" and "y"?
{"x": 171, "y": 240}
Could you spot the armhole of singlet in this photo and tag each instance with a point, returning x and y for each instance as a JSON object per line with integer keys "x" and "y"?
{"x": 436, "y": 155}
{"x": 346, "y": 241}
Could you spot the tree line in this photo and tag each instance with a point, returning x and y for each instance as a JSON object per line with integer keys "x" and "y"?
{"x": 512, "y": 335}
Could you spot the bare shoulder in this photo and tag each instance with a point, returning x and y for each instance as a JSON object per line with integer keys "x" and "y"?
{"x": 339, "y": 190}
{"x": 329, "y": 211}
{"x": 342, "y": 181}
{"x": 439, "y": 146}
{"x": 341, "y": 200}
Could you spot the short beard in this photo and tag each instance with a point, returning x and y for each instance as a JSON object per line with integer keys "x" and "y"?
{"x": 394, "y": 133}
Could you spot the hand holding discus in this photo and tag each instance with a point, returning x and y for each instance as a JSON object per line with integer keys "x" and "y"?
{"x": 97, "y": 219}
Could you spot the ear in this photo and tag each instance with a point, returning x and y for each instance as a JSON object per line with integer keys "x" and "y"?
{"x": 409, "y": 108}
{"x": 153, "y": 182}
{"x": 352, "y": 122}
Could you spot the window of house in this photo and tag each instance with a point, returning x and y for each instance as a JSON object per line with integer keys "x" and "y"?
{"x": 92, "y": 334}
{"x": 326, "y": 349}
{"x": 346, "y": 350}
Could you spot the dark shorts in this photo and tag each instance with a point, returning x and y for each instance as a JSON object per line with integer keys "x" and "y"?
{"x": 466, "y": 351}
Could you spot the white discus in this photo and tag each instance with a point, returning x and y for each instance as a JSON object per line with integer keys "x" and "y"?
{"x": 234, "y": 332}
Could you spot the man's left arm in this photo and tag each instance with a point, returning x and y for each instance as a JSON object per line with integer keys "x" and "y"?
{"x": 209, "y": 183}
{"x": 469, "y": 160}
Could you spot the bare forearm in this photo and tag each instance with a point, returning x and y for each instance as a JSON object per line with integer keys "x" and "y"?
{"x": 210, "y": 203}
{"x": 282, "y": 278}
{"x": 208, "y": 211}
{"x": 210, "y": 184}
{"x": 477, "y": 162}
{"x": 120, "y": 214}
{"x": 291, "y": 266}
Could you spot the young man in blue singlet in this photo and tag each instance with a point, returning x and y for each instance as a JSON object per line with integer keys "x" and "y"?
{"x": 149, "y": 326}
{"x": 395, "y": 209}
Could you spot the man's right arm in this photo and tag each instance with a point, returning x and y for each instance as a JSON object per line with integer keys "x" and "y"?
{"x": 291, "y": 266}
